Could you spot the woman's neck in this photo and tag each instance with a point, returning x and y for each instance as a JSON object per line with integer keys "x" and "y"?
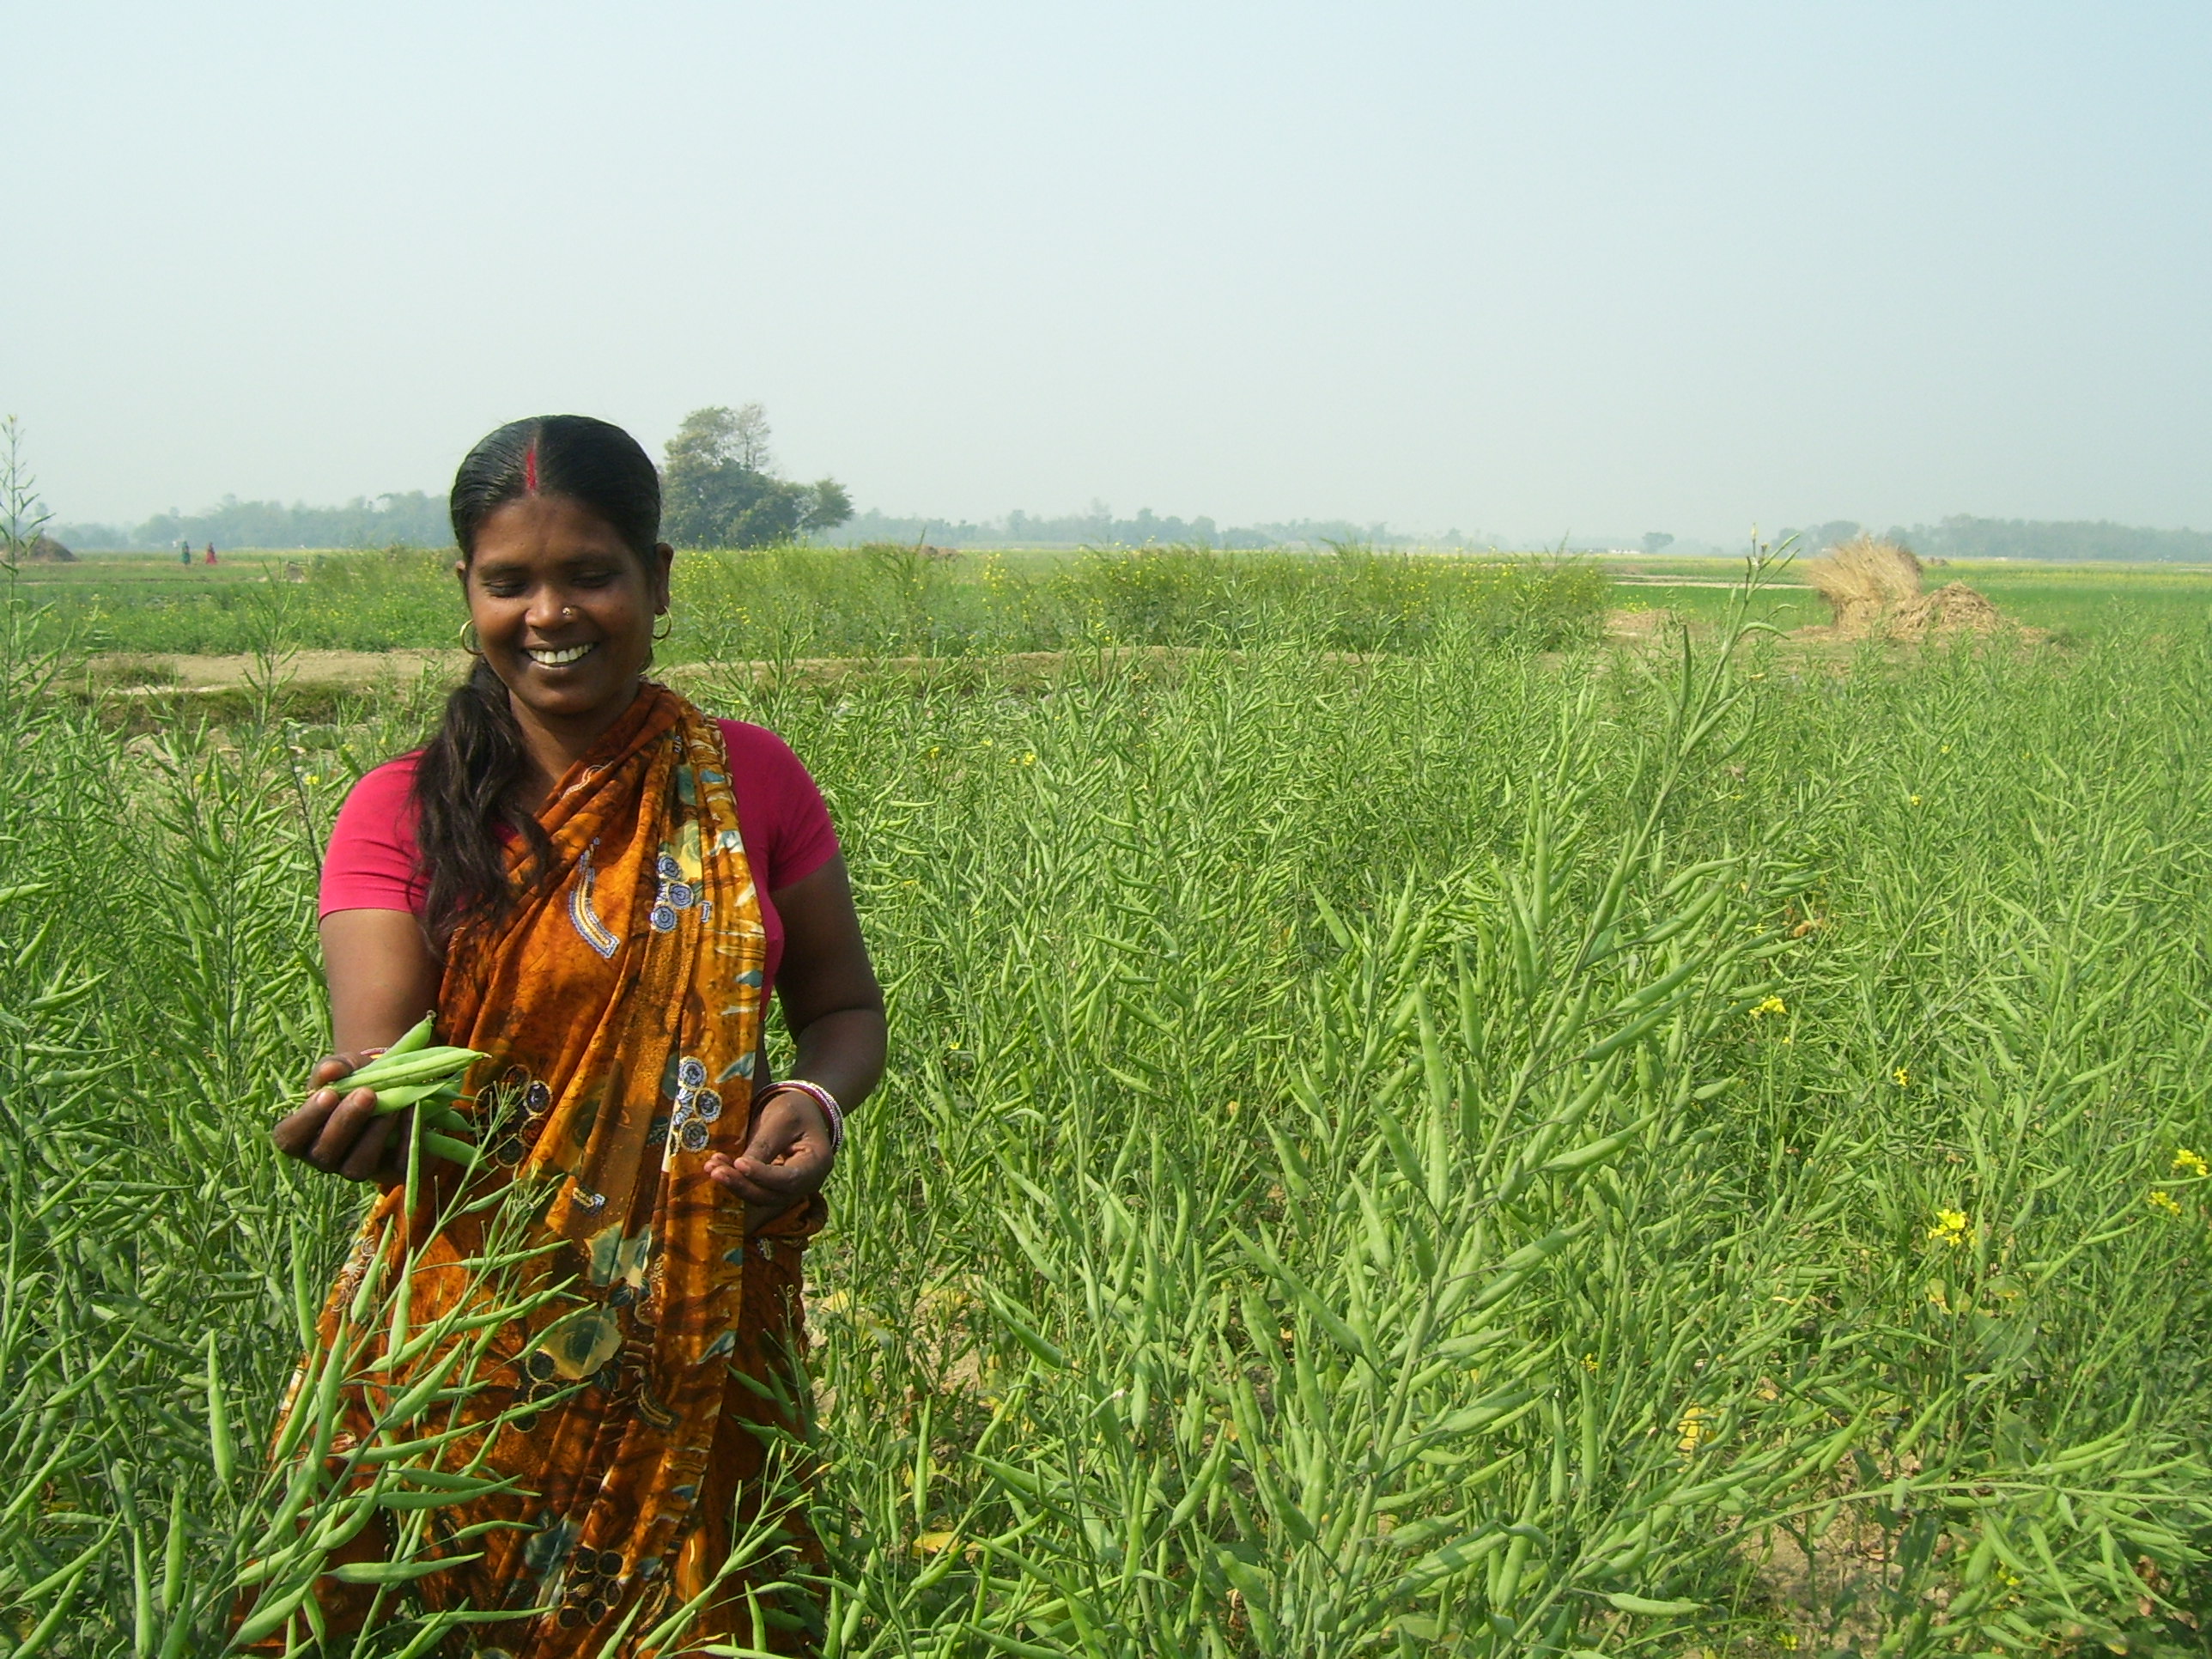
{"x": 555, "y": 745}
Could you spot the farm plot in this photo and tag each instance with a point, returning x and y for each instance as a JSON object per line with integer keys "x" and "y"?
{"x": 799, "y": 601}
{"x": 1463, "y": 1150}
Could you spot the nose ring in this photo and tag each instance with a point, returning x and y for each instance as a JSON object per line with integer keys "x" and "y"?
{"x": 568, "y": 609}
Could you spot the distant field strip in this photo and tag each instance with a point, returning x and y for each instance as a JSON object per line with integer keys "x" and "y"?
{"x": 839, "y": 602}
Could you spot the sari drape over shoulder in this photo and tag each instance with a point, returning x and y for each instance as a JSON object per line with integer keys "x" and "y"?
{"x": 619, "y": 1004}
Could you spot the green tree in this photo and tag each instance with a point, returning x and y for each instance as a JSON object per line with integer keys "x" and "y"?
{"x": 719, "y": 486}
{"x": 828, "y": 505}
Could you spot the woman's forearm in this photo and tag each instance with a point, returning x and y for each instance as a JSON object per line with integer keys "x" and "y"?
{"x": 842, "y": 1051}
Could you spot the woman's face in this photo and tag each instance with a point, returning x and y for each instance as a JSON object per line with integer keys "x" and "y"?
{"x": 563, "y": 607}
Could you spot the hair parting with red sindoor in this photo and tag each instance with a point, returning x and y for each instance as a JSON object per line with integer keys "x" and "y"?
{"x": 465, "y": 783}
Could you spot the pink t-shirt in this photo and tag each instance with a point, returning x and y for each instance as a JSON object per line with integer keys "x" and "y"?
{"x": 373, "y": 864}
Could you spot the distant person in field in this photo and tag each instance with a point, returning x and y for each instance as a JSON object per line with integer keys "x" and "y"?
{"x": 185, "y": 552}
{"x": 600, "y": 887}
{"x": 210, "y": 557}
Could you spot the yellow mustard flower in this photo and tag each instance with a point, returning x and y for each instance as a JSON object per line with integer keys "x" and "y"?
{"x": 2158, "y": 1199}
{"x": 1696, "y": 1428}
{"x": 1901, "y": 1078}
{"x": 1771, "y": 1005}
{"x": 2188, "y": 1163}
{"x": 943, "y": 1300}
{"x": 1952, "y": 1227}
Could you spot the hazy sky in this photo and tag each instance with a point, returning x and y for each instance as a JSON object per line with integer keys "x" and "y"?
{"x": 1533, "y": 269}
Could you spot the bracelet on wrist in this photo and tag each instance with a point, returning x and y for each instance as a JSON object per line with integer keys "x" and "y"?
{"x": 831, "y": 1111}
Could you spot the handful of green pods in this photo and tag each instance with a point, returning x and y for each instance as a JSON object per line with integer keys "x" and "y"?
{"x": 414, "y": 1071}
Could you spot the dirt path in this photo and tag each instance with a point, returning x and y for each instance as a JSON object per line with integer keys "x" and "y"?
{"x": 193, "y": 673}
{"x": 158, "y": 675}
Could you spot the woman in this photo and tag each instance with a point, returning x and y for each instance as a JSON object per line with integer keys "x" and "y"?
{"x": 599, "y": 887}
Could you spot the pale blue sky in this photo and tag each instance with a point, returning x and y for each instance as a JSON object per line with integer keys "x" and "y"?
{"x": 1533, "y": 269}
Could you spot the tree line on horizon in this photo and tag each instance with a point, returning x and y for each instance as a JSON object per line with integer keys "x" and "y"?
{"x": 1100, "y": 527}
{"x": 2058, "y": 541}
{"x": 716, "y": 497}
{"x": 720, "y": 489}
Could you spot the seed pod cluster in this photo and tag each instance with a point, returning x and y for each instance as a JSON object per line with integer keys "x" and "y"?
{"x": 415, "y": 1072}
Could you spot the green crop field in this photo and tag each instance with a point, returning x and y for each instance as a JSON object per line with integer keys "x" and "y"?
{"x": 799, "y": 602}
{"x": 1411, "y": 1130}
{"x": 803, "y": 602}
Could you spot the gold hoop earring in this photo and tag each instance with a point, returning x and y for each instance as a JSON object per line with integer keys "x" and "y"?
{"x": 669, "y": 628}
{"x": 471, "y": 642}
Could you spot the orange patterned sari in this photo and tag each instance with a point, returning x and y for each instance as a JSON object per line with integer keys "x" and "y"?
{"x": 620, "y": 1004}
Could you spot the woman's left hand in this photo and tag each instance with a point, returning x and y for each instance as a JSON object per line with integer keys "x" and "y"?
{"x": 785, "y": 1162}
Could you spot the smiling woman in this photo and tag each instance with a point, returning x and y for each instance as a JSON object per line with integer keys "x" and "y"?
{"x": 556, "y": 519}
{"x": 599, "y": 888}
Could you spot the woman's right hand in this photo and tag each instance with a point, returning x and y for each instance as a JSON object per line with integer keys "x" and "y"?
{"x": 338, "y": 1130}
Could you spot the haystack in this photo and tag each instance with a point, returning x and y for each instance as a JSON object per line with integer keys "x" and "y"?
{"x": 45, "y": 549}
{"x": 1953, "y": 608}
{"x": 1864, "y": 580}
{"x": 1873, "y": 590}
